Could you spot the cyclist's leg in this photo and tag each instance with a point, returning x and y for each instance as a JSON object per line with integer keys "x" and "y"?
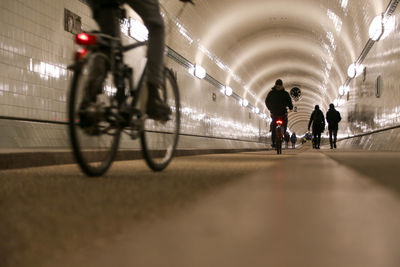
{"x": 149, "y": 11}
{"x": 273, "y": 134}
{"x": 284, "y": 123}
{"x": 273, "y": 131}
{"x": 106, "y": 14}
{"x": 284, "y": 127}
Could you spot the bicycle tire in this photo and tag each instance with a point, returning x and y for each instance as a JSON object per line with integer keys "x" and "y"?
{"x": 278, "y": 142}
{"x": 90, "y": 151}
{"x": 159, "y": 140}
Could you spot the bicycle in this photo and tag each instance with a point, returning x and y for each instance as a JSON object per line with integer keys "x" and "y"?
{"x": 118, "y": 107}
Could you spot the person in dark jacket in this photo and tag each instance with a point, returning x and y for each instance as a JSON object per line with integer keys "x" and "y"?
{"x": 317, "y": 120}
{"x": 333, "y": 118}
{"x": 293, "y": 139}
{"x": 277, "y": 102}
{"x": 286, "y": 137}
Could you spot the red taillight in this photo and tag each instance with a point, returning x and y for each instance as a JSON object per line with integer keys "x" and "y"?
{"x": 80, "y": 53}
{"x": 279, "y": 122}
{"x": 85, "y": 39}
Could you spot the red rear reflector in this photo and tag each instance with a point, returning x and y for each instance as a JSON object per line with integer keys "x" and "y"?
{"x": 279, "y": 122}
{"x": 85, "y": 39}
{"x": 80, "y": 53}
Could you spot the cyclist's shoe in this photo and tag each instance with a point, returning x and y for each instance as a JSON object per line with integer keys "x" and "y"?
{"x": 156, "y": 109}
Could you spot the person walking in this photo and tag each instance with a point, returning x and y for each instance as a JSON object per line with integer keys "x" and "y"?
{"x": 317, "y": 120}
{"x": 293, "y": 139}
{"x": 286, "y": 138}
{"x": 333, "y": 118}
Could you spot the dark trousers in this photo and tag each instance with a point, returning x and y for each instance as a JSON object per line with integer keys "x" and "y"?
{"x": 317, "y": 139}
{"x": 334, "y": 134}
{"x": 107, "y": 15}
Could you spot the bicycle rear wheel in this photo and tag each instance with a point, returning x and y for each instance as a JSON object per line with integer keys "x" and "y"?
{"x": 159, "y": 139}
{"x": 94, "y": 144}
{"x": 278, "y": 143}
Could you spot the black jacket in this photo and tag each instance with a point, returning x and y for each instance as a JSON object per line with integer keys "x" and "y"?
{"x": 278, "y": 100}
{"x": 333, "y": 118}
{"x": 318, "y": 121}
{"x": 286, "y": 137}
{"x": 293, "y": 138}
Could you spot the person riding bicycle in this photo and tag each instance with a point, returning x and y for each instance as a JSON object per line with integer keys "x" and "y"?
{"x": 107, "y": 14}
{"x": 277, "y": 102}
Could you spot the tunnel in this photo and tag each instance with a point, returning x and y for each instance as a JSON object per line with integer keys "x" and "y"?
{"x": 226, "y": 198}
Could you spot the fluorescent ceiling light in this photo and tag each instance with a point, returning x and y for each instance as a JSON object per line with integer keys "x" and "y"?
{"x": 228, "y": 91}
{"x": 199, "y": 71}
{"x": 355, "y": 70}
{"x": 381, "y": 27}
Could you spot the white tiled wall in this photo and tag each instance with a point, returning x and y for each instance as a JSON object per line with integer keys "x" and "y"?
{"x": 34, "y": 54}
{"x": 363, "y": 111}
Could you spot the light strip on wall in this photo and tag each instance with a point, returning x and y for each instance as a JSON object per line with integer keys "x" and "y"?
{"x": 382, "y": 23}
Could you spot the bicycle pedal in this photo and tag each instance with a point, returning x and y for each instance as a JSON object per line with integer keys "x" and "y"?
{"x": 134, "y": 134}
{"x": 137, "y": 124}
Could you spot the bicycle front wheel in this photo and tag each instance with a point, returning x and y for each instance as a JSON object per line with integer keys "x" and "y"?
{"x": 95, "y": 141}
{"x": 159, "y": 139}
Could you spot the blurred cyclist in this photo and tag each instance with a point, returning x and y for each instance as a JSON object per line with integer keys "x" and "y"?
{"x": 277, "y": 102}
{"x": 107, "y": 15}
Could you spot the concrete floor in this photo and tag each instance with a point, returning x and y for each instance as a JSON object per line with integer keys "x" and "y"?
{"x": 303, "y": 208}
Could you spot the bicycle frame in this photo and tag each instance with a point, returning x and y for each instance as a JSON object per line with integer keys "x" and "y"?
{"x": 112, "y": 49}
{"x": 104, "y": 102}
{"x": 135, "y": 90}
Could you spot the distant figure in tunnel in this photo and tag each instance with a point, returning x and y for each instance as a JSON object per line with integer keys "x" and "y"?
{"x": 317, "y": 120}
{"x": 333, "y": 118}
{"x": 293, "y": 139}
{"x": 286, "y": 138}
{"x": 277, "y": 102}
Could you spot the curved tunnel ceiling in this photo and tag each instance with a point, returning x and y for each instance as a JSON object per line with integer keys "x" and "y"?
{"x": 307, "y": 43}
